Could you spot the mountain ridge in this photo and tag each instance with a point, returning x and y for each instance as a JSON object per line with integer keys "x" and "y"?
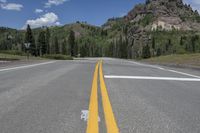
{"x": 172, "y": 13}
{"x": 155, "y": 23}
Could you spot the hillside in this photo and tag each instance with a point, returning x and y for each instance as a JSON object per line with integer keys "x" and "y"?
{"x": 161, "y": 24}
{"x": 13, "y": 39}
{"x": 159, "y": 15}
{"x": 154, "y": 28}
{"x": 166, "y": 14}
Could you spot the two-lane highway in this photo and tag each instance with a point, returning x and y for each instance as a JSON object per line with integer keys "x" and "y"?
{"x": 46, "y": 98}
{"x": 110, "y": 121}
{"x": 153, "y": 99}
{"x": 50, "y": 97}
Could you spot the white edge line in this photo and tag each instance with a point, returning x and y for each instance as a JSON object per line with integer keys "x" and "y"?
{"x": 152, "y": 66}
{"x": 187, "y": 74}
{"x": 151, "y": 78}
{"x": 161, "y": 68}
{"x": 26, "y": 66}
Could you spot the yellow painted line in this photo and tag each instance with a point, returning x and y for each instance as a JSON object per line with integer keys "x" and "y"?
{"x": 92, "y": 124}
{"x": 111, "y": 124}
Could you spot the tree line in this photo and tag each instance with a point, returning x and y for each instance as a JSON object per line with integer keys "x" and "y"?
{"x": 46, "y": 44}
{"x": 99, "y": 43}
{"x": 122, "y": 47}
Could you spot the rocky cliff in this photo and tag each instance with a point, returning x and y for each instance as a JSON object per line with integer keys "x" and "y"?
{"x": 165, "y": 14}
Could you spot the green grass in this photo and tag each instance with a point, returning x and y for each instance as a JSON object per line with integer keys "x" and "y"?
{"x": 10, "y": 57}
{"x": 146, "y": 20}
{"x": 58, "y": 57}
{"x": 13, "y": 52}
{"x": 14, "y": 57}
{"x": 182, "y": 59}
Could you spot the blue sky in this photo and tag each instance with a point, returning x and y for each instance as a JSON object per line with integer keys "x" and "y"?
{"x": 18, "y": 13}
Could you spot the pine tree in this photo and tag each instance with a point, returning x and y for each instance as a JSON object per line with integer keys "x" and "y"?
{"x": 153, "y": 43}
{"x": 121, "y": 47}
{"x": 193, "y": 42}
{"x": 83, "y": 51}
{"x": 104, "y": 33}
{"x": 48, "y": 36}
{"x": 29, "y": 38}
{"x": 126, "y": 48}
{"x": 147, "y": 2}
{"x": 64, "y": 47}
{"x": 146, "y": 52}
{"x": 71, "y": 40}
{"x": 75, "y": 49}
{"x": 125, "y": 30}
{"x": 153, "y": 46}
{"x": 56, "y": 44}
{"x": 110, "y": 50}
{"x": 158, "y": 53}
{"x": 169, "y": 47}
{"x": 42, "y": 47}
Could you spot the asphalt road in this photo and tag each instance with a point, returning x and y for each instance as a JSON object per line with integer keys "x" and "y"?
{"x": 49, "y": 97}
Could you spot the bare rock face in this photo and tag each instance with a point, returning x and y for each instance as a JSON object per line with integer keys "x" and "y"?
{"x": 167, "y": 15}
{"x": 160, "y": 8}
{"x": 167, "y": 23}
{"x": 159, "y": 15}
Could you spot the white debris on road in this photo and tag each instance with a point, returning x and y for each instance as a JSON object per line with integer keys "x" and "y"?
{"x": 85, "y": 114}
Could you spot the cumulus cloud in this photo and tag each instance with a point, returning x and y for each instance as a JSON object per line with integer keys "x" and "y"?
{"x": 3, "y": 1}
{"x": 54, "y": 2}
{"x": 48, "y": 19}
{"x": 11, "y": 6}
{"x": 38, "y": 10}
{"x": 194, "y": 4}
{"x": 57, "y": 23}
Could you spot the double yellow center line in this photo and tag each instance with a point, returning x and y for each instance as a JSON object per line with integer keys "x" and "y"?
{"x": 92, "y": 125}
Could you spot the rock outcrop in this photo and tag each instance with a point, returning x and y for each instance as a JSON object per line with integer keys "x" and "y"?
{"x": 167, "y": 15}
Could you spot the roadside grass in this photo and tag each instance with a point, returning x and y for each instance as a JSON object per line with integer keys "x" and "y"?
{"x": 12, "y": 57}
{"x": 9, "y": 57}
{"x": 181, "y": 59}
{"x": 12, "y": 52}
{"x": 58, "y": 57}
{"x": 15, "y": 57}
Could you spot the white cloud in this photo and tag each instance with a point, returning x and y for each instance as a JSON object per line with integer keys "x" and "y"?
{"x": 38, "y": 10}
{"x": 3, "y": 1}
{"x": 11, "y": 6}
{"x": 54, "y": 2}
{"x": 48, "y": 19}
{"x": 57, "y": 23}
